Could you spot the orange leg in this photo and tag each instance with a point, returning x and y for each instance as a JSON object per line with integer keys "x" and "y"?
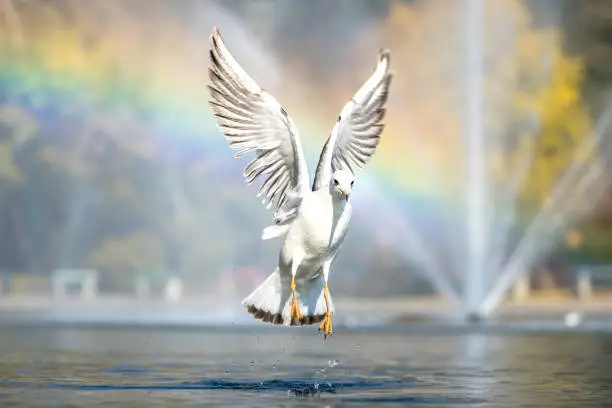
{"x": 295, "y": 310}
{"x": 326, "y": 325}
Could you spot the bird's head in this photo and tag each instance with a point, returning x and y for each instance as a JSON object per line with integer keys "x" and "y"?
{"x": 342, "y": 184}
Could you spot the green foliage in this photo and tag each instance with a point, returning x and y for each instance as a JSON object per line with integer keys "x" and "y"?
{"x": 587, "y": 26}
{"x": 120, "y": 259}
{"x": 127, "y": 254}
{"x": 16, "y": 130}
{"x": 8, "y": 170}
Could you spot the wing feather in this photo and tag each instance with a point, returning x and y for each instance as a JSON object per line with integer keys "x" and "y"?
{"x": 356, "y": 134}
{"x": 253, "y": 121}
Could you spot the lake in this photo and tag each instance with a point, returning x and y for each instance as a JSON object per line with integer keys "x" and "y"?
{"x": 262, "y": 366}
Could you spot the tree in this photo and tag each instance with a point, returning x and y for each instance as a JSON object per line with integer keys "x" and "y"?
{"x": 119, "y": 258}
{"x": 563, "y": 128}
{"x": 587, "y": 26}
{"x": 17, "y": 130}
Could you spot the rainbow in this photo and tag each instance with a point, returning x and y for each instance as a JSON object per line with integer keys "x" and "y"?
{"x": 55, "y": 73}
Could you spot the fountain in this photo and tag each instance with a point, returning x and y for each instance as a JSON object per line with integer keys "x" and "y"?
{"x": 480, "y": 235}
{"x": 476, "y": 179}
{"x": 491, "y": 266}
{"x": 540, "y": 236}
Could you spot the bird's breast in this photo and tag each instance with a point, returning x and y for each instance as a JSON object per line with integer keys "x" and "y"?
{"x": 325, "y": 223}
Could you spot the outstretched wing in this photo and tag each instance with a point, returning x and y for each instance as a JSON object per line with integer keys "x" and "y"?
{"x": 356, "y": 134}
{"x": 253, "y": 121}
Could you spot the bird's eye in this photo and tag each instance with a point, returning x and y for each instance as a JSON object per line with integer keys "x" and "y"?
{"x": 352, "y": 183}
{"x": 335, "y": 182}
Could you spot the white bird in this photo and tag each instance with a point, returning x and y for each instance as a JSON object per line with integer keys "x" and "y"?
{"x": 313, "y": 220}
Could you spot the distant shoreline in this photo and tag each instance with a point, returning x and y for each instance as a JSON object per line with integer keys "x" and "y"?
{"x": 351, "y": 312}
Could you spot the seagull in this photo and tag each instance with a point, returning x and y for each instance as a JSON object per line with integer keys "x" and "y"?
{"x": 313, "y": 219}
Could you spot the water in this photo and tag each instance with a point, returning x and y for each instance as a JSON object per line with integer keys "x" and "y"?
{"x": 418, "y": 365}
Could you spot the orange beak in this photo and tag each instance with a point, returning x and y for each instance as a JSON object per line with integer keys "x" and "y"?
{"x": 345, "y": 192}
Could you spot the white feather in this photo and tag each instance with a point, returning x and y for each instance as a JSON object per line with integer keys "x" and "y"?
{"x": 252, "y": 120}
{"x": 274, "y": 296}
{"x": 274, "y": 231}
{"x": 356, "y": 134}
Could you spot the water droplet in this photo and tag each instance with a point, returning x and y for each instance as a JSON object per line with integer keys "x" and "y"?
{"x": 252, "y": 363}
{"x": 333, "y": 363}
{"x": 228, "y": 372}
{"x": 274, "y": 366}
{"x": 359, "y": 347}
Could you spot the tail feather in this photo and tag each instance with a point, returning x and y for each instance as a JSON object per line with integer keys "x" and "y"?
{"x": 271, "y": 301}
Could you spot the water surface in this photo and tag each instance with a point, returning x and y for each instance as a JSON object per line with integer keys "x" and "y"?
{"x": 51, "y": 366}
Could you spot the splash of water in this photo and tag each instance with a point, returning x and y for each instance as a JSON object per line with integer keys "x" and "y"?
{"x": 564, "y": 208}
{"x": 407, "y": 240}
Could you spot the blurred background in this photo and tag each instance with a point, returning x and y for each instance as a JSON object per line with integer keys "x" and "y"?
{"x": 492, "y": 183}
